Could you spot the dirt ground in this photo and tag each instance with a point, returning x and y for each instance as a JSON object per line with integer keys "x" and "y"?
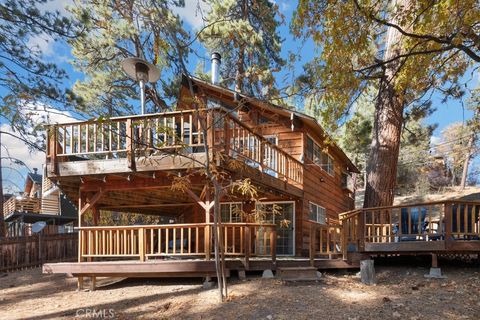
{"x": 401, "y": 292}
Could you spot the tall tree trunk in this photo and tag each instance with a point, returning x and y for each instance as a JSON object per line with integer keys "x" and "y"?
{"x": 383, "y": 159}
{"x": 240, "y": 72}
{"x": 2, "y": 217}
{"x": 471, "y": 140}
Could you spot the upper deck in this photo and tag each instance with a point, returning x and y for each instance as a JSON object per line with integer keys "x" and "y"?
{"x": 161, "y": 143}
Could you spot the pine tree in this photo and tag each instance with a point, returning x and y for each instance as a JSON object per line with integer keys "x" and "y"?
{"x": 405, "y": 48}
{"x": 27, "y": 82}
{"x": 115, "y": 30}
{"x": 245, "y": 33}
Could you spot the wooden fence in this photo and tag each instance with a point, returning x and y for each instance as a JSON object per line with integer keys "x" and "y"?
{"x": 34, "y": 250}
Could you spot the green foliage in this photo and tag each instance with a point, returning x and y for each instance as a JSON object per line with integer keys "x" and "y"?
{"x": 355, "y": 138}
{"x": 437, "y": 48}
{"x": 27, "y": 82}
{"x": 114, "y": 31}
{"x": 245, "y": 34}
{"x": 453, "y": 148}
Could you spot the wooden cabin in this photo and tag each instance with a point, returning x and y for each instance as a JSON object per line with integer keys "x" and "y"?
{"x": 153, "y": 164}
{"x": 41, "y": 201}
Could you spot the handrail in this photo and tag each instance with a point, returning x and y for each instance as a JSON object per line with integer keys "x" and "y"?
{"x": 176, "y": 225}
{"x": 326, "y": 239}
{"x": 448, "y": 220}
{"x": 188, "y": 239}
{"x": 31, "y": 205}
{"x": 135, "y": 116}
{"x": 417, "y": 204}
{"x": 129, "y": 136}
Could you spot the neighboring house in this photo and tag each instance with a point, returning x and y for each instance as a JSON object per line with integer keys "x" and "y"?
{"x": 41, "y": 201}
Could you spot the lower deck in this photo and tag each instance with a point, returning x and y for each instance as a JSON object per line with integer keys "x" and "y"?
{"x": 187, "y": 267}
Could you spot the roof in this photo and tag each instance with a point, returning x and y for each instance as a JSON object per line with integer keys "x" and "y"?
{"x": 35, "y": 177}
{"x": 28, "y": 217}
{"x": 289, "y": 113}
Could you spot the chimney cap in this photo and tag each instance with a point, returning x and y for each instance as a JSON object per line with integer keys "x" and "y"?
{"x": 216, "y": 56}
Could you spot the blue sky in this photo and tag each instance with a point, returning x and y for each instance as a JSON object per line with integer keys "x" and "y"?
{"x": 446, "y": 113}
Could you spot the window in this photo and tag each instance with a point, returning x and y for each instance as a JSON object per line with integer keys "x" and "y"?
{"x": 317, "y": 213}
{"x": 230, "y": 212}
{"x": 310, "y": 145}
{"x": 314, "y": 153}
{"x": 327, "y": 164}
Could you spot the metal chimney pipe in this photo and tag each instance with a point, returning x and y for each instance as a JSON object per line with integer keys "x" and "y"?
{"x": 216, "y": 61}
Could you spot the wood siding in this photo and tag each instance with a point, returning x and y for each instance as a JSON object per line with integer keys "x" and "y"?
{"x": 318, "y": 186}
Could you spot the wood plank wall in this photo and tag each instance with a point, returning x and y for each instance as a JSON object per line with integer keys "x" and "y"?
{"x": 327, "y": 193}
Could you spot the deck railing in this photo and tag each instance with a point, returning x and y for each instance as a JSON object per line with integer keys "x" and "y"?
{"x": 433, "y": 221}
{"x": 31, "y": 205}
{"x": 168, "y": 133}
{"x": 189, "y": 240}
{"x": 326, "y": 240}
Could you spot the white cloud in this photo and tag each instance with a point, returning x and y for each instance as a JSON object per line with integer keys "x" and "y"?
{"x": 434, "y": 140}
{"x": 12, "y": 147}
{"x": 43, "y": 43}
{"x": 284, "y": 6}
{"x": 193, "y": 13}
{"x": 57, "y": 5}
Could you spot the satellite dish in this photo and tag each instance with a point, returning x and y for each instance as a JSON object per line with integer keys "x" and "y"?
{"x": 141, "y": 71}
{"x": 38, "y": 226}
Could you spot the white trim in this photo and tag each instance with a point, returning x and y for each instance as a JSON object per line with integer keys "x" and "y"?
{"x": 293, "y": 222}
{"x": 318, "y": 206}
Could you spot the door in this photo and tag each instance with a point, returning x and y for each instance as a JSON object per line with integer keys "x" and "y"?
{"x": 278, "y": 213}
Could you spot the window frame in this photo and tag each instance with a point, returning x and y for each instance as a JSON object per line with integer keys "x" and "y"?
{"x": 231, "y": 204}
{"x": 317, "y": 156}
{"x": 322, "y": 219}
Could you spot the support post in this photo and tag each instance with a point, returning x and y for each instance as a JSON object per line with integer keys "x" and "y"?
{"x": 80, "y": 283}
{"x": 435, "y": 271}
{"x": 447, "y": 216}
{"x": 208, "y": 241}
{"x": 247, "y": 247}
{"x": 141, "y": 243}
{"x": 93, "y": 283}
{"x": 312, "y": 245}
{"x": 367, "y": 272}
{"x": 130, "y": 145}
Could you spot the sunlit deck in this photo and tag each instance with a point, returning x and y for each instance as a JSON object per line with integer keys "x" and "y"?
{"x": 147, "y": 146}
{"x": 435, "y": 227}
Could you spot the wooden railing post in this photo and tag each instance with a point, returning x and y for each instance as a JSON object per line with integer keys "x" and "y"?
{"x": 207, "y": 241}
{"x": 53, "y": 150}
{"x": 247, "y": 247}
{"x": 447, "y": 218}
{"x": 361, "y": 231}
{"x": 141, "y": 243}
{"x": 130, "y": 144}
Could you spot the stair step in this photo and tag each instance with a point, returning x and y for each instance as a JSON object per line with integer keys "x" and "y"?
{"x": 297, "y": 274}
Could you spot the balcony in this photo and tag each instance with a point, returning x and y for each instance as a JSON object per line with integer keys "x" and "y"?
{"x": 164, "y": 141}
{"x": 30, "y": 205}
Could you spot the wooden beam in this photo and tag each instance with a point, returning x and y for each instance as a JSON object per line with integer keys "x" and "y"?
{"x": 164, "y": 205}
{"x": 92, "y": 202}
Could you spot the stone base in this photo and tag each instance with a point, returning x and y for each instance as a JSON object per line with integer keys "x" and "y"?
{"x": 435, "y": 273}
{"x": 267, "y": 274}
